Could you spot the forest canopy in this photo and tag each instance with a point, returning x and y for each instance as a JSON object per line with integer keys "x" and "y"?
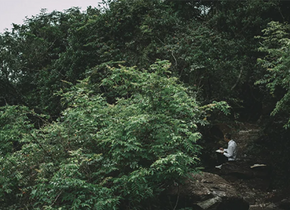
{"x": 103, "y": 109}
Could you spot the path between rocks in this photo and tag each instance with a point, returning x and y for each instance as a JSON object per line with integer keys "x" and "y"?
{"x": 252, "y": 184}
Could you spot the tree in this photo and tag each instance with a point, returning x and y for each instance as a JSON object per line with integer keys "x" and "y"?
{"x": 209, "y": 43}
{"x": 37, "y": 55}
{"x": 275, "y": 43}
{"x": 102, "y": 155}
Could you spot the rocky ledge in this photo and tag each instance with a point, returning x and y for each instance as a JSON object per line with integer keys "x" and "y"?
{"x": 208, "y": 191}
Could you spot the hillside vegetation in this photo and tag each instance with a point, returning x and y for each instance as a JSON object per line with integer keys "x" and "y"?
{"x": 104, "y": 109}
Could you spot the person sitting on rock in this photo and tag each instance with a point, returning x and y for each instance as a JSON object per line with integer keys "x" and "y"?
{"x": 229, "y": 154}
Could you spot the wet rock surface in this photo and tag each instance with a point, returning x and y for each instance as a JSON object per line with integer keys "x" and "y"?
{"x": 208, "y": 191}
{"x": 253, "y": 175}
{"x": 237, "y": 186}
{"x": 254, "y": 185}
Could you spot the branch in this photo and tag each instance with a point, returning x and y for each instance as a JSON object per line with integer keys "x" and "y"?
{"x": 56, "y": 198}
{"x": 170, "y": 50}
{"x": 37, "y": 142}
{"x": 239, "y": 77}
{"x": 177, "y": 200}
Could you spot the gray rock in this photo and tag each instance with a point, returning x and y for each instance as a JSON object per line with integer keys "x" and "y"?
{"x": 208, "y": 191}
{"x": 284, "y": 204}
{"x": 209, "y": 202}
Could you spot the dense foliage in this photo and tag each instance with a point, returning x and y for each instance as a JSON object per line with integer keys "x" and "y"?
{"x": 100, "y": 155}
{"x": 275, "y": 43}
{"x": 216, "y": 59}
{"x": 102, "y": 109}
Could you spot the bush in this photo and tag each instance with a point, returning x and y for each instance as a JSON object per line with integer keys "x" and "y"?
{"x": 102, "y": 155}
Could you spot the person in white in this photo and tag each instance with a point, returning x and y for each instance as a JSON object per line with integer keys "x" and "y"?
{"x": 231, "y": 152}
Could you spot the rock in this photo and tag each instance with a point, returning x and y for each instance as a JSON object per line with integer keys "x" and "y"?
{"x": 208, "y": 191}
{"x": 268, "y": 206}
{"x": 245, "y": 137}
{"x": 236, "y": 203}
{"x": 209, "y": 202}
{"x": 257, "y": 177}
{"x": 284, "y": 204}
{"x": 240, "y": 169}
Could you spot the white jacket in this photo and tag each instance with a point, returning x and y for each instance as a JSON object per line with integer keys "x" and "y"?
{"x": 231, "y": 151}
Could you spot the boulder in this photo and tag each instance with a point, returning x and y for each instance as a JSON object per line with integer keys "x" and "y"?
{"x": 284, "y": 204}
{"x": 258, "y": 176}
{"x": 240, "y": 169}
{"x": 207, "y": 191}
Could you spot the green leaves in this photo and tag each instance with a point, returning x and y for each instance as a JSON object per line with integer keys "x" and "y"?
{"x": 275, "y": 44}
{"x": 102, "y": 155}
{"x": 15, "y": 128}
{"x": 209, "y": 44}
